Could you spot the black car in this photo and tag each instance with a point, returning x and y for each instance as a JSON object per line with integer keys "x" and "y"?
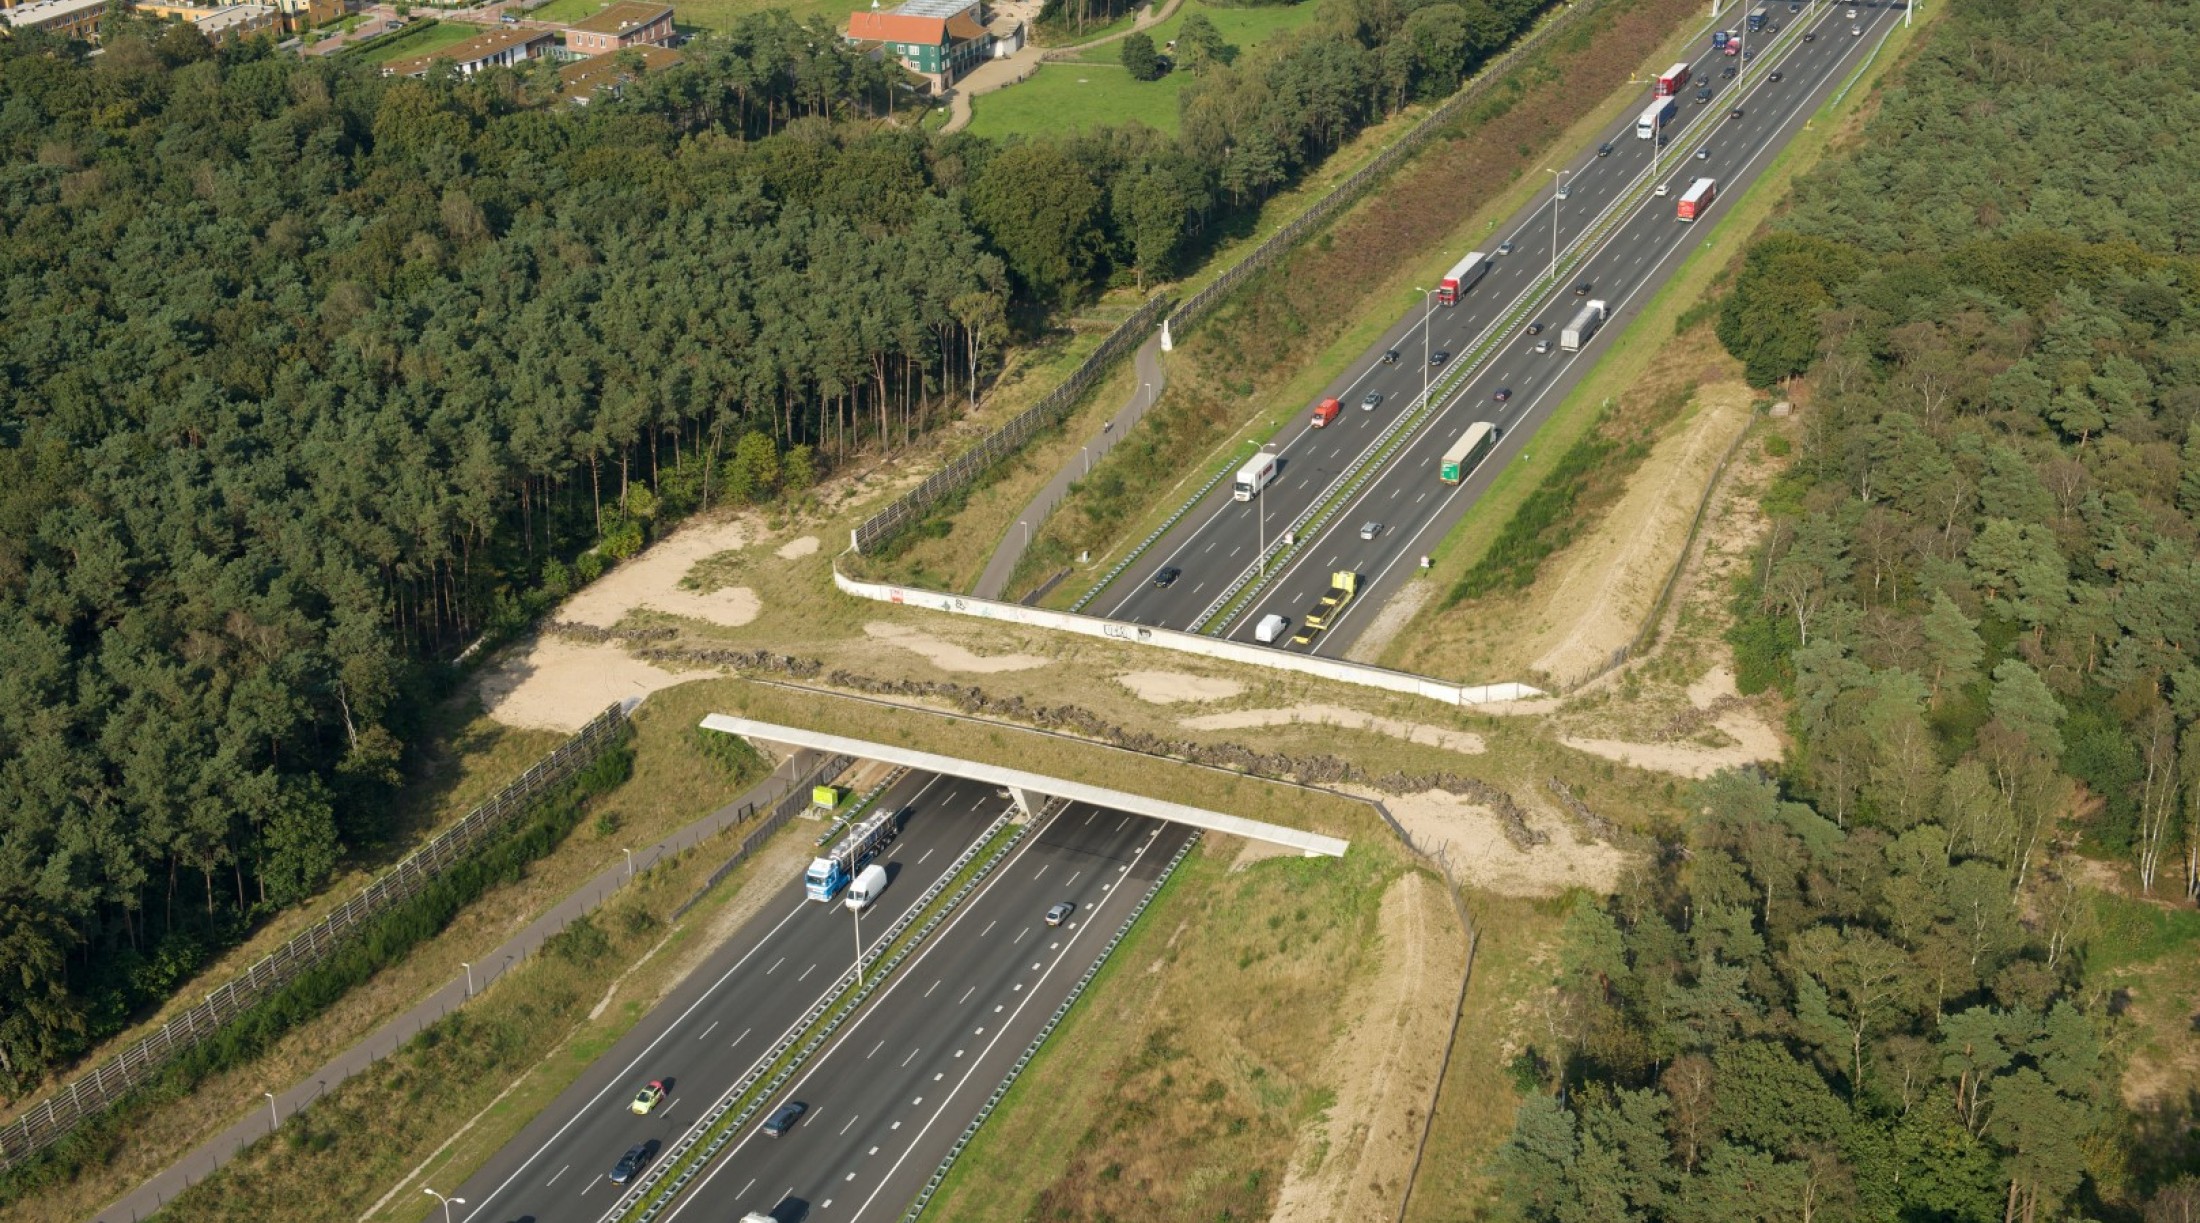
{"x": 1582, "y": 289}
{"x": 1728, "y": 71}
{"x": 1810, "y": 36}
{"x": 1735, "y": 113}
{"x": 1703, "y": 95}
{"x": 631, "y": 1164}
{"x": 1775, "y": 75}
{"x": 1390, "y": 357}
{"x": 1503, "y": 393}
{"x": 1167, "y": 577}
{"x": 784, "y": 1117}
{"x": 1605, "y": 149}
{"x": 1440, "y": 356}
{"x": 1536, "y": 327}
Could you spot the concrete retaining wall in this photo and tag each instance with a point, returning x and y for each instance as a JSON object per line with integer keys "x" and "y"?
{"x": 1188, "y": 643}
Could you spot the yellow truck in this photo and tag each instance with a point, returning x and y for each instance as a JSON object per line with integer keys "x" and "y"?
{"x": 1343, "y": 584}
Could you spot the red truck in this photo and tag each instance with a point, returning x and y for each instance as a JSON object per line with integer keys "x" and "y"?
{"x": 1461, "y": 278}
{"x": 1671, "y": 80}
{"x": 1326, "y": 411}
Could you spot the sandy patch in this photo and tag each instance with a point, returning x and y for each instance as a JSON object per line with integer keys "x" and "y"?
{"x": 1752, "y": 739}
{"x": 1259, "y": 851}
{"x": 652, "y": 580}
{"x": 948, "y": 656}
{"x": 1473, "y": 841}
{"x": 1169, "y": 687}
{"x": 1352, "y": 1162}
{"x": 1605, "y": 585}
{"x": 1391, "y": 621}
{"x": 1462, "y": 741}
{"x": 796, "y": 549}
{"x": 558, "y": 685}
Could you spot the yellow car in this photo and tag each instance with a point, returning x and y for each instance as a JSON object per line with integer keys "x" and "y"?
{"x": 648, "y": 1098}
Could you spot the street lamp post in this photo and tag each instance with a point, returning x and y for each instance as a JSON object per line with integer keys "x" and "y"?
{"x": 1428, "y": 315}
{"x": 274, "y": 1118}
{"x": 446, "y": 1202}
{"x": 858, "y": 913}
{"x": 630, "y": 864}
{"x": 469, "y": 978}
{"x": 1559, "y": 186}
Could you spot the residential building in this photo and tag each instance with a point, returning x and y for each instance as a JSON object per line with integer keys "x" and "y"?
{"x": 237, "y": 21}
{"x": 495, "y": 49}
{"x": 627, "y": 23}
{"x": 584, "y": 80}
{"x": 939, "y": 40}
{"x": 60, "y": 18}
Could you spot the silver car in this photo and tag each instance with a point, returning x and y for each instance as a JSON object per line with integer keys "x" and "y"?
{"x": 1370, "y": 530}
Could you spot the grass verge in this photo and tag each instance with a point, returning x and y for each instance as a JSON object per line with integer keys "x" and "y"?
{"x": 380, "y": 945}
{"x": 488, "y": 1068}
{"x": 1178, "y": 1085}
{"x": 1619, "y": 370}
{"x": 1513, "y": 968}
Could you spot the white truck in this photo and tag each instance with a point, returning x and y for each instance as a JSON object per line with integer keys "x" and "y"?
{"x": 870, "y": 881}
{"x": 1271, "y": 629}
{"x": 1584, "y": 325}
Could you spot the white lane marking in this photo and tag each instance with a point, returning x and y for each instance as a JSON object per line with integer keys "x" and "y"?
{"x": 1073, "y": 879}
{"x": 966, "y": 995}
{"x": 775, "y": 966}
{"x": 745, "y": 1188}
{"x": 805, "y": 974}
{"x": 874, "y": 1050}
{"x": 935, "y": 985}
{"x": 712, "y": 1028}
{"x": 927, "y": 853}
{"x": 592, "y": 1184}
{"x": 554, "y": 1180}
{"x": 844, "y": 1130}
{"x": 893, "y": 983}
{"x": 912, "y": 1057}
{"x": 1020, "y": 935}
{"x": 961, "y": 1083}
{"x": 988, "y": 930}
{"x": 1042, "y": 871}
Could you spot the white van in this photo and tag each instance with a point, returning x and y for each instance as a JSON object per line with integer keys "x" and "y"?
{"x": 1270, "y": 629}
{"x": 870, "y": 881}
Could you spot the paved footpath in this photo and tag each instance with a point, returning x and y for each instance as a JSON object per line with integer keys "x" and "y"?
{"x": 258, "y": 1123}
{"x": 1151, "y": 378}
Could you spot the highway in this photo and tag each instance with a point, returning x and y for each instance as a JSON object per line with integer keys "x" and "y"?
{"x": 717, "y": 1023}
{"x": 1220, "y": 538}
{"x": 889, "y": 1096}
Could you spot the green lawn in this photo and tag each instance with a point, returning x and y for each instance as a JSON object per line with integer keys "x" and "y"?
{"x": 566, "y": 12}
{"x": 1062, "y": 96}
{"x": 721, "y": 14}
{"x": 1096, "y": 90}
{"x": 420, "y": 42}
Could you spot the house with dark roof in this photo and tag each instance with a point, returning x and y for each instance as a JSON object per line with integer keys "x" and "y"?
{"x": 940, "y": 40}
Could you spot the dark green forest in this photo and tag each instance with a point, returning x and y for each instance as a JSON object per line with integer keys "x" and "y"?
{"x": 1866, "y": 988}
{"x": 311, "y": 379}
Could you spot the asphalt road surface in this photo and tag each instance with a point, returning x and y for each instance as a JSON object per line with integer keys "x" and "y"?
{"x": 717, "y": 1023}
{"x": 894, "y": 1090}
{"x": 1218, "y": 540}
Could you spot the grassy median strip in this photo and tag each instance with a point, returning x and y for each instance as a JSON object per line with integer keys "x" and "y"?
{"x": 740, "y": 1105}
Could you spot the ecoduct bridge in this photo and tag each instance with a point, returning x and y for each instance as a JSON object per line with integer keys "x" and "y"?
{"x": 1022, "y": 786}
